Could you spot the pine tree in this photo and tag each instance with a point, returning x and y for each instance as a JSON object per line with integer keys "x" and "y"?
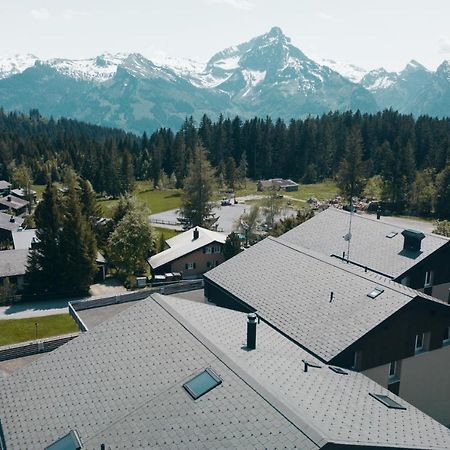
{"x": 126, "y": 173}
{"x": 196, "y": 208}
{"x": 443, "y": 194}
{"x": 232, "y": 246}
{"x": 350, "y": 177}
{"x": 88, "y": 199}
{"x": 242, "y": 170}
{"x": 46, "y": 260}
{"x": 78, "y": 246}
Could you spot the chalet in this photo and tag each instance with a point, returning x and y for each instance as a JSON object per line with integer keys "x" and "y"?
{"x": 14, "y": 204}
{"x": 24, "y": 239}
{"x": 279, "y": 184}
{"x": 5, "y": 188}
{"x": 8, "y": 225}
{"x": 24, "y": 194}
{"x": 410, "y": 257}
{"x": 191, "y": 253}
{"x": 13, "y": 264}
{"x": 345, "y": 316}
{"x": 187, "y": 381}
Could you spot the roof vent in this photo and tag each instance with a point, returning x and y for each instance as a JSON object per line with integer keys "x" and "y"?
{"x": 196, "y": 234}
{"x": 413, "y": 240}
{"x": 375, "y": 292}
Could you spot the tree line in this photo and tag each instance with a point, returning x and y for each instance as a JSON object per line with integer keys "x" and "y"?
{"x": 401, "y": 159}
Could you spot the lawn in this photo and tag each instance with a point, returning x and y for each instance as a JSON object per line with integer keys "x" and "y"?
{"x": 326, "y": 190}
{"x": 155, "y": 200}
{"x": 168, "y": 233}
{"x": 13, "y": 331}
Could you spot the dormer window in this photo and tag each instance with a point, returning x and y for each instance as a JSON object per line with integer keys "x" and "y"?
{"x": 428, "y": 278}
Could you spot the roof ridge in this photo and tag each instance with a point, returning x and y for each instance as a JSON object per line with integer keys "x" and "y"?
{"x": 367, "y": 275}
{"x": 372, "y": 219}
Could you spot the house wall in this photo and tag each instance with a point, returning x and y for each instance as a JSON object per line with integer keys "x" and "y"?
{"x": 201, "y": 262}
{"x": 439, "y": 263}
{"x": 394, "y": 339}
{"x": 423, "y": 381}
{"x": 223, "y": 298}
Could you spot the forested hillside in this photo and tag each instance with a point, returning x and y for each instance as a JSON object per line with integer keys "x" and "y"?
{"x": 402, "y": 158}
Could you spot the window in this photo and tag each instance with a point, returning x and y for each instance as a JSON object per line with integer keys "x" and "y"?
{"x": 446, "y": 337}
{"x": 217, "y": 249}
{"x": 420, "y": 338}
{"x": 387, "y": 401}
{"x": 375, "y": 292}
{"x": 70, "y": 441}
{"x": 428, "y": 278}
{"x": 394, "y": 371}
{"x": 190, "y": 266}
{"x": 202, "y": 383}
{"x": 209, "y": 264}
{"x": 207, "y": 250}
{"x": 391, "y": 234}
{"x": 356, "y": 360}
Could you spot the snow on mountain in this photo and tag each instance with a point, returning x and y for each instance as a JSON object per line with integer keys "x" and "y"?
{"x": 98, "y": 69}
{"x": 12, "y": 65}
{"x": 379, "y": 79}
{"x": 350, "y": 71}
{"x": 444, "y": 70}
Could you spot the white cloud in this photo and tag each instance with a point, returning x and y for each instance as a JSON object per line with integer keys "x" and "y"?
{"x": 444, "y": 45}
{"x": 41, "y": 13}
{"x": 70, "y": 14}
{"x": 244, "y": 5}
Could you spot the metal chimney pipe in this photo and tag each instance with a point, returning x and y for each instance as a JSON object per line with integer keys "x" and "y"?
{"x": 378, "y": 213}
{"x": 251, "y": 331}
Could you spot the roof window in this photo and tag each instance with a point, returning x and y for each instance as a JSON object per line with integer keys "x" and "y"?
{"x": 70, "y": 441}
{"x": 387, "y": 401}
{"x": 202, "y": 383}
{"x": 338, "y": 370}
{"x": 391, "y": 234}
{"x": 375, "y": 292}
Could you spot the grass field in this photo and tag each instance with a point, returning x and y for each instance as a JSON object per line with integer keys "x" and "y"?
{"x": 13, "y": 331}
{"x": 166, "y": 232}
{"x": 156, "y": 201}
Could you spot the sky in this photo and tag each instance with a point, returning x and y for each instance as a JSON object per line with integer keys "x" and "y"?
{"x": 371, "y": 34}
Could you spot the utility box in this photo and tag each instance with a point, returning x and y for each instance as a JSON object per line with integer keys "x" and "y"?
{"x": 141, "y": 282}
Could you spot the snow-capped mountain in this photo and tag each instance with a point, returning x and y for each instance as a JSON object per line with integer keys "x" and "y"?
{"x": 350, "y": 71}
{"x": 12, "y": 65}
{"x": 267, "y": 75}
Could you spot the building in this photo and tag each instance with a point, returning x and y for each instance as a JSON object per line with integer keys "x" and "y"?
{"x": 277, "y": 183}
{"x": 24, "y": 239}
{"x": 191, "y": 253}
{"x": 8, "y": 225}
{"x": 23, "y": 194}
{"x": 169, "y": 373}
{"x": 14, "y": 204}
{"x": 13, "y": 265}
{"x": 344, "y": 316}
{"x": 5, "y": 188}
{"x": 412, "y": 258}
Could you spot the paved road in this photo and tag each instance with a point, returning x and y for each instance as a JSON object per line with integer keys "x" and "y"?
{"x": 406, "y": 222}
{"x": 228, "y": 216}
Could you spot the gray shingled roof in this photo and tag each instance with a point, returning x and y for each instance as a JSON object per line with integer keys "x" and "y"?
{"x": 339, "y": 407}
{"x": 13, "y": 262}
{"x": 290, "y": 288}
{"x": 4, "y": 184}
{"x": 369, "y": 245}
{"x": 6, "y": 224}
{"x": 183, "y": 244}
{"x": 14, "y": 203}
{"x": 121, "y": 384}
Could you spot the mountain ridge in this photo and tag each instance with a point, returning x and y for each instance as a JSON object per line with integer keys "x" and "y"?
{"x": 266, "y": 75}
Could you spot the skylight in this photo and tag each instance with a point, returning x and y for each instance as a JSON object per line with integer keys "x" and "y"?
{"x": 202, "y": 383}
{"x": 391, "y": 234}
{"x": 70, "y": 441}
{"x": 387, "y": 401}
{"x": 338, "y": 370}
{"x": 375, "y": 292}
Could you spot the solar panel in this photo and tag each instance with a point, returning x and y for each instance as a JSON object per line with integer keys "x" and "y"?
{"x": 375, "y": 292}
{"x": 338, "y": 370}
{"x": 387, "y": 401}
{"x": 202, "y": 383}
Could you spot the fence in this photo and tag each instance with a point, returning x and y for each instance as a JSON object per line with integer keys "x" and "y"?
{"x": 79, "y": 305}
{"x": 182, "y": 286}
{"x": 32, "y": 348}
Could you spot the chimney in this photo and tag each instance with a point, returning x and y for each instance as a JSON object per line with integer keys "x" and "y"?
{"x": 412, "y": 240}
{"x": 12, "y": 219}
{"x": 196, "y": 234}
{"x": 251, "y": 331}
{"x": 9, "y": 198}
{"x": 378, "y": 213}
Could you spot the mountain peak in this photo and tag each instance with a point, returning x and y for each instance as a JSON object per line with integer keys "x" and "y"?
{"x": 415, "y": 65}
{"x": 276, "y": 34}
